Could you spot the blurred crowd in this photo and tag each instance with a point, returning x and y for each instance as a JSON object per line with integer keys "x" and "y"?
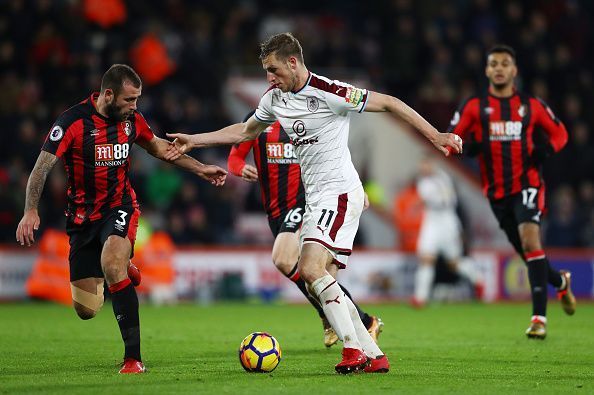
{"x": 429, "y": 53}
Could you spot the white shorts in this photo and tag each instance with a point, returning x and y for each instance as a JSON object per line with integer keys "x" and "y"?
{"x": 440, "y": 235}
{"x": 333, "y": 222}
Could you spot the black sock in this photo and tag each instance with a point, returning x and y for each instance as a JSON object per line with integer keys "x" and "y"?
{"x": 365, "y": 318}
{"x": 537, "y": 274}
{"x": 554, "y": 276}
{"x": 294, "y": 276}
{"x": 125, "y": 309}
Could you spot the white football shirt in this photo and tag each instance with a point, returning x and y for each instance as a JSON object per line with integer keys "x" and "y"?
{"x": 316, "y": 118}
{"x": 437, "y": 191}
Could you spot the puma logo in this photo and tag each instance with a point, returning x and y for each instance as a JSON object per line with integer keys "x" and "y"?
{"x": 320, "y": 229}
{"x": 333, "y": 300}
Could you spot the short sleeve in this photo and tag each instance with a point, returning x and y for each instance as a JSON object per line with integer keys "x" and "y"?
{"x": 144, "y": 132}
{"x": 264, "y": 112}
{"x": 343, "y": 98}
{"x": 60, "y": 136}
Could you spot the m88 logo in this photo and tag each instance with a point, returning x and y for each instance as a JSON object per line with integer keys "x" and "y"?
{"x": 283, "y": 153}
{"x": 111, "y": 151}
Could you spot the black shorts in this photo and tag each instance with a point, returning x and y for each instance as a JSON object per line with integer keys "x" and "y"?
{"x": 288, "y": 221}
{"x": 87, "y": 239}
{"x": 511, "y": 211}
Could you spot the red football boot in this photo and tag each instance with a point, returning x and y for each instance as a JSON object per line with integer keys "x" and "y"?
{"x": 353, "y": 360}
{"x": 130, "y": 365}
{"x": 134, "y": 274}
{"x": 378, "y": 364}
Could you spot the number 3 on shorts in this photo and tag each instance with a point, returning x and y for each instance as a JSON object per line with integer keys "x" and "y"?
{"x": 122, "y": 220}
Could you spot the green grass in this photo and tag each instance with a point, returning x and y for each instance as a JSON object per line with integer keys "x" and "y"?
{"x": 189, "y": 349}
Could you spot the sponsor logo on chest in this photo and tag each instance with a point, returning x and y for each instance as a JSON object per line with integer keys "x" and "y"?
{"x": 505, "y": 130}
{"x": 111, "y": 154}
{"x": 281, "y": 153}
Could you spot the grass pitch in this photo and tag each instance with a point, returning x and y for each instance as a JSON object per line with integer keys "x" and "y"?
{"x": 190, "y": 349}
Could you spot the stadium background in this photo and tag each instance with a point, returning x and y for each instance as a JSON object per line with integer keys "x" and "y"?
{"x": 430, "y": 54}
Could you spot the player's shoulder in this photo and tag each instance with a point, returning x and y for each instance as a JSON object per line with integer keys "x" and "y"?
{"x": 469, "y": 101}
{"x": 73, "y": 114}
{"x": 327, "y": 85}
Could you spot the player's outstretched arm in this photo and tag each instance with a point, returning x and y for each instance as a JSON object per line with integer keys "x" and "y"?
{"x": 379, "y": 102}
{"x": 232, "y": 134}
{"x": 237, "y": 165}
{"x": 157, "y": 147}
{"x": 30, "y": 221}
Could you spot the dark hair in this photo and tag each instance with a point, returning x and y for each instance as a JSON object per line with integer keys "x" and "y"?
{"x": 115, "y": 77}
{"x": 502, "y": 48}
{"x": 282, "y": 45}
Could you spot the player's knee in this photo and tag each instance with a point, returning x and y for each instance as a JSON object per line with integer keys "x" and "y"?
{"x": 83, "y": 312}
{"x": 282, "y": 264}
{"x": 531, "y": 244}
{"x": 87, "y": 304}
{"x": 307, "y": 274}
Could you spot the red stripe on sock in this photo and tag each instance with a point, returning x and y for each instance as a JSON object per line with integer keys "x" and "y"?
{"x": 119, "y": 286}
{"x": 295, "y": 277}
{"x": 328, "y": 286}
{"x": 531, "y": 256}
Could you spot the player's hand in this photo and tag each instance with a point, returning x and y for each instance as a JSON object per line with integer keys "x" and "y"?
{"x": 29, "y": 223}
{"x": 181, "y": 144}
{"x": 213, "y": 174}
{"x": 448, "y": 143}
{"x": 249, "y": 173}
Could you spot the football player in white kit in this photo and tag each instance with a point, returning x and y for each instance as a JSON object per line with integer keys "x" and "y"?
{"x": 441, "y": 231}
{"x": 315, "y": 112}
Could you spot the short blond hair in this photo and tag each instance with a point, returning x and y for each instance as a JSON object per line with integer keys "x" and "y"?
{"x": 283, "y": 45}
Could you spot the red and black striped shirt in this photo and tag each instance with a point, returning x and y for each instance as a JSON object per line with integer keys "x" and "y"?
{"x": 506, "y": 129}
{"x": 279, "y": 173}
{"x": 95, "y": 152}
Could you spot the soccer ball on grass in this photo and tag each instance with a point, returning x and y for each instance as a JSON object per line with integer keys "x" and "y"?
{"x": 259, "y": 352}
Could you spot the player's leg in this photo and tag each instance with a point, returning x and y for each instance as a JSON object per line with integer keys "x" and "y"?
{"x": 329, "y": 229}
{"x": 423, "y": 280}
{"x": 119, "y": 233}
{"x": 373, "y": 323}
{"x": 285, "y": 253}
{"x": 86, "y": 276}
{"x": 427, "y": 248}
{"x": 87, "y": 296}
{"x": 312, "y": 268}
{"x": 377, "y": 361}
{"x": 451, "y": 248}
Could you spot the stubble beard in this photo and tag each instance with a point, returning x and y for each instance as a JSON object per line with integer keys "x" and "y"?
{"x": 115, "y": 113}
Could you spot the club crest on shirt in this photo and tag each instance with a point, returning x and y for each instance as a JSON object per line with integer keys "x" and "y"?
{"x": 312, "y": 104}
{"x": 299, "y": 128}
{"x": 127, "y": 128}
{"x": 56, "y": 133}
{"x": 489, "y": 110}
{"x": 522, "y": 111}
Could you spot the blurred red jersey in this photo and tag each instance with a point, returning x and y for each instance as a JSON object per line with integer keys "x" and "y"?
{"x": 95, "y": 151}
{"x": 279, "y": 174}
{"x": 506, "y": 128}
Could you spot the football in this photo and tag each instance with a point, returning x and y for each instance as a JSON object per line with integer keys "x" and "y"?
{"x": 259, "y": 352}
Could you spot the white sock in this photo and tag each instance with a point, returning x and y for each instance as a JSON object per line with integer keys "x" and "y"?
{"x": 335, "y": 307}
{"x": 423, "y": 282}
{"x": 467, "y": 269}
{"x": 369, "y": 347}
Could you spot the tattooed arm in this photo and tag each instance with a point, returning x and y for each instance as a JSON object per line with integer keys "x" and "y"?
{"x": 30, "y": 221}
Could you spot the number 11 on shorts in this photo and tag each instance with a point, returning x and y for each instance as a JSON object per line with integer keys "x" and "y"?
{"x": 328, "y": 221}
